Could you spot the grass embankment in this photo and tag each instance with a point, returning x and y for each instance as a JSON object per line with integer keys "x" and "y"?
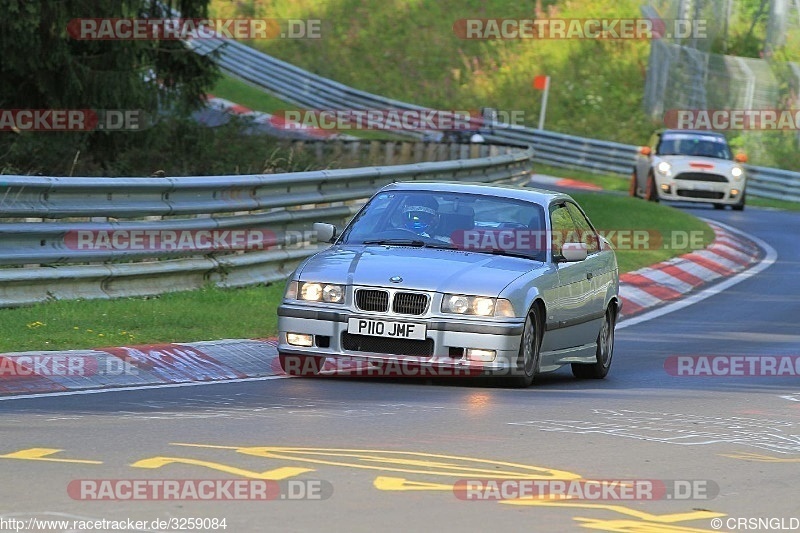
{"x": 213, "y": 313}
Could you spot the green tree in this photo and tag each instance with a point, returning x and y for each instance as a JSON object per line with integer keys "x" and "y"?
{"x": 44, "y": 67}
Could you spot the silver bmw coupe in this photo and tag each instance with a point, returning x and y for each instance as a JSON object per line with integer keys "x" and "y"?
{"x": 455, "y": 279}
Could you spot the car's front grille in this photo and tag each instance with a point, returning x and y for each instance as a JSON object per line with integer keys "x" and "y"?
{"x": 701, "y": 176}
{"x": 410, "y": 303}
{"x": 372, "y": 300}
{"x": 708, "y": 195}
{"x": 383, "y": 345}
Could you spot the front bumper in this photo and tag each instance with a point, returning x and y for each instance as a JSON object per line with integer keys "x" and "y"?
{"x": 678, "y": 190}
{"x": 444, "y": 347}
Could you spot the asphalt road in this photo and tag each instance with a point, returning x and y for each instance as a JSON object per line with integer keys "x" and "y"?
{"x": 391, "y": 451}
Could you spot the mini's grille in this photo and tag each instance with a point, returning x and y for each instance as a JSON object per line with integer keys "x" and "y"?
{"x": 372, "y": 300}
{"x": 709, "y": 195}
{"x": 410, "y": 303}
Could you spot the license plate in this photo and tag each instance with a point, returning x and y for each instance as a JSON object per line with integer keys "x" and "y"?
{"x": 386, "y": 328}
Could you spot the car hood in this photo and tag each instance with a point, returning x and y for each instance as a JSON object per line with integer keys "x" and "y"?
{"x": 449, "y": 271}
{"x": 705, "y": 164}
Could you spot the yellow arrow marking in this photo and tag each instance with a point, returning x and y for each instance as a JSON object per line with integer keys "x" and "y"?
{"x": 426, "y": 463}
{"x": 41, "y": 454}
{"x": 748, "y": 456}
{"x": 401, "y": 484}
{"x": 634, "y": 526}
{"x": 641, "y": 515}
{"x": 275, "y": 474}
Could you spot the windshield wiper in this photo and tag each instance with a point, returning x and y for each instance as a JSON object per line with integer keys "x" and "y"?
{"x": 509, "y": 253}
{"x": 396, "y": 242}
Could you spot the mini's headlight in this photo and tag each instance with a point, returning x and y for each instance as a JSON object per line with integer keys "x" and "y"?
{"x": 737, "y": 172}
{"x": 476, "y": 305}
{"x": 318, "y": 292}
{"x": 664, "y": 167}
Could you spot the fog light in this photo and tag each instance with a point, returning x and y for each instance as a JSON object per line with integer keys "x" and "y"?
{"x": 666, "y": 188}
{"x": 484, "y": 356}
{"x": 734, "y": 192}
{"x": 299, "y": 339}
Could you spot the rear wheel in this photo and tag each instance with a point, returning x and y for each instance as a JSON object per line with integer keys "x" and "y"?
{"x": 527, "y": 365}
{"x": 633, "y": 190}
{"x": 650, "y": 192}
{"x": 301, "y": 365}
{"x": 605, "y": 351}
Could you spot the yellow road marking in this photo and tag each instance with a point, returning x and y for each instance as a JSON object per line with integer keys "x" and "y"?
{"x": 41, "y": 454}
{"x": 641, "y": 515}
{"x": 274, "y": 475}
{"x": 748, "y": 456}
{"x": 405, "y": 462}
{"x": 635, "y": 526}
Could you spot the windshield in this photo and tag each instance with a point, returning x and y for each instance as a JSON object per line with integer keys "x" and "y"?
{"x": 696, "y": 145}
{"x": 484, "y": 224}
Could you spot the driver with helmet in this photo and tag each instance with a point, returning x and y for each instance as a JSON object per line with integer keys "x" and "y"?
{"x": 421, "y": 215}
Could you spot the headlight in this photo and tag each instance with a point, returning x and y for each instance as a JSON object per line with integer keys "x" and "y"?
{"x": 664, "y": 167}
{"x": 461, "y": 304}
{"x": 316, "y": 292}
{"x": 737, "y": 172}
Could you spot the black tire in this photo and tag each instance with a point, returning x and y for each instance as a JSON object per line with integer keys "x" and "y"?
{"x": 301, "y": 365}
{"x": 650, "y": 192}
{"x": 633, "y": 189}
{"x": 740, "y": 205}
{"x": 604, "y": 353}
{"x": 719, "y": 206}
{"x": 528, "y": 358}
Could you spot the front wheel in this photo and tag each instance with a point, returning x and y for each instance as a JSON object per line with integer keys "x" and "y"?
{"x": 604, "y": 353}
{"x": 650, "y": 192}
{"x": 740, "y": 205}
{"x": 633, "y": 189}
{"x": 527, "y": 364}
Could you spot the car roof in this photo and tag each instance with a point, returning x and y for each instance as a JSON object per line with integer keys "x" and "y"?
{"x": 530, "y": 194}
{"x": 692, "y": 132}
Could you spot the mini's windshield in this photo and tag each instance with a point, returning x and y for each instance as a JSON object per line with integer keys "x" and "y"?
{"x": 479, "y": 223}
{"x": 694, "y": 145}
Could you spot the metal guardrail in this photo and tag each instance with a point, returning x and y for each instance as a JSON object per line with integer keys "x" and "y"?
{"x": 40, "y": 217}
{"x": 300, "y": 87}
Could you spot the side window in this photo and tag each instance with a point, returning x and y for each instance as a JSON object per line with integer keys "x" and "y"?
{"x": 587, "y": 234}
{"x": 563, "y": 228}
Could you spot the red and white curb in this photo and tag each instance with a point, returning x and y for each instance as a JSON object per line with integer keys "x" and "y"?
{"x": 646, "y": 293}
{"x": 266, "y": 119}
{"x": 729, "y": 254}
{"x": 567, "y": 183}
{"x": 40, "y": 372}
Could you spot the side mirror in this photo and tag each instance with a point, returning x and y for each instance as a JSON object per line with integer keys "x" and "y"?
{"x": 574, "y": 251}
{"x": 740, "y": 158}
{"x": 645, "y": 150}
{"x": 325, "y": 232}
